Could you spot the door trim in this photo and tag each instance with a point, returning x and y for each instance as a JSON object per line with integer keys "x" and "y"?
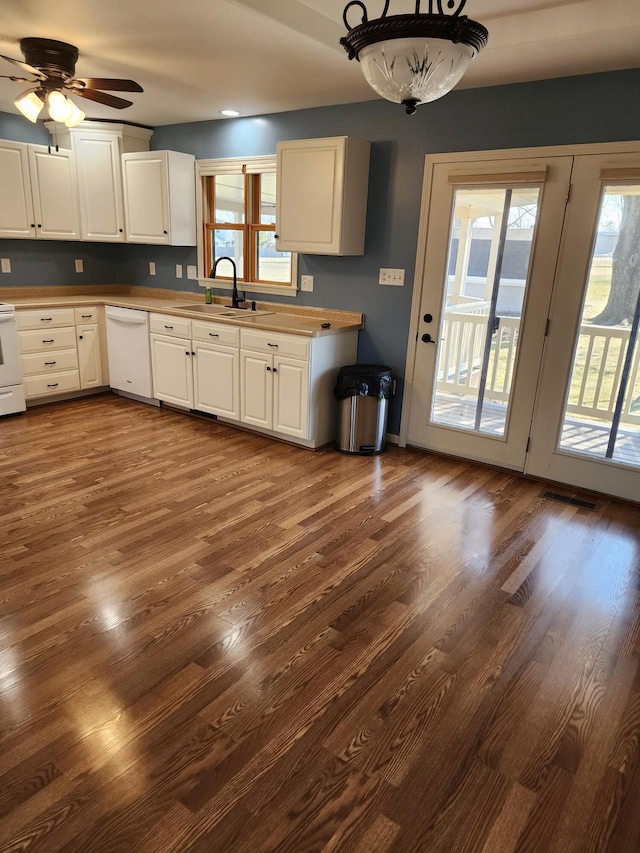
{"x": 462, "y": 158}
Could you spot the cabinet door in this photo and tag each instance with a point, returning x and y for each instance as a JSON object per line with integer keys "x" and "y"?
{"x": 89, "y": 359}
{"x": 171, "y": 362}
{"x": 291, "y": 397}
{"x": 16, "y": 209}
{"x": 256, "y": 382}
{"x": 55, "y": 193}
{"x": 100, "y": 186}
{"x": 216, "y": 377}
{"x": 146, "y": 197}
{"x": 321, "y": 198}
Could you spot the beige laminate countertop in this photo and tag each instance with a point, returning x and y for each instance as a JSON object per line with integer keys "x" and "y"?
{"x": 291, "y": 319}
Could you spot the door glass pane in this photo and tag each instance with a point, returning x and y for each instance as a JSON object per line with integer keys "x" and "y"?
{"x": 490, "y": 246}
{"x": 602, "y": 412}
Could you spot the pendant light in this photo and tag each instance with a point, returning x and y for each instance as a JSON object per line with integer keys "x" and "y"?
{"x": 416, "y": 58}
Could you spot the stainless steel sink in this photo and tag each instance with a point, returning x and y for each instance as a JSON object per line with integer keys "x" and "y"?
{"x": 220, "y": 310}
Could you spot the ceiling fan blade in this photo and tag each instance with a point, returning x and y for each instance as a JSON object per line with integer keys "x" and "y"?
{"x": 103, "y": 98}
{"x": 28, "y": 68}
{"x": 109, "y": 84}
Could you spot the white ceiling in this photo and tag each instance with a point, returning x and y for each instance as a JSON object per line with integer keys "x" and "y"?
{"x": 263, "y": 56}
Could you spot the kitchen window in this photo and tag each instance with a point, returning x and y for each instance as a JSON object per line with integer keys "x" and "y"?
{"x": 237, "y": 213}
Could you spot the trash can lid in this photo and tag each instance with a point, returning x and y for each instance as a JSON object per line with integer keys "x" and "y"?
{"x": 364, "y": 380}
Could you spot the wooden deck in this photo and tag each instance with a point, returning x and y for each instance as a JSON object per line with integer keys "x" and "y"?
{"x": 579, "y": 435}
{"x": 215, "y": 642}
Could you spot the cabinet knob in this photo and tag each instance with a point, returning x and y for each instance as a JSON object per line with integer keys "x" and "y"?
{"x": 39, "y": 225}
{"x": 164, "y": 232}
{"x": 33, "y": 225}
{"x": 275, "y": 369}
{"x": 269, "y": 369}
{"x": 80, "y": 338}
{"x": 120, "y": 230}
{"x": 186, "y": 352}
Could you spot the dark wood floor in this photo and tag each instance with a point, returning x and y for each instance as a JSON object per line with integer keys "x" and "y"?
{"x": 214, "y": 642}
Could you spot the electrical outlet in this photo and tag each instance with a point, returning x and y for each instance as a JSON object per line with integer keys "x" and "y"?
{"x": 192, "y": 272}
{"x": 79, "y": 265}
{"x": 152, "y": 267}
{"x": 6, "y": 264}
{"x": 392, "y": 277}
{"x": 178, "y": 270}
{"x": 306, "y": 283}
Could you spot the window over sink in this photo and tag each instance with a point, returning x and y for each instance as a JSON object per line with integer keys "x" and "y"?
{"x": 237, "y": 219}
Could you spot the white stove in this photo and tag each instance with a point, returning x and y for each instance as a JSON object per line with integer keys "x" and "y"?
{"x": 11, "y": 389}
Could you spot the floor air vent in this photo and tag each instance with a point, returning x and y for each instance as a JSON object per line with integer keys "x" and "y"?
{"x": 563, "y": 499}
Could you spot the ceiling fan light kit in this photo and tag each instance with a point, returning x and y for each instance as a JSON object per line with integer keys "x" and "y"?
{"x": 414, "y": 59}
{"x": 53, "y": 65}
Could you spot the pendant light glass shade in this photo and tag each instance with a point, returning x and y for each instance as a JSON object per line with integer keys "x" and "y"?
{"x": 420, "y": 70}
{"x": 417, "y": 58}
{"x": 30, "y": 105}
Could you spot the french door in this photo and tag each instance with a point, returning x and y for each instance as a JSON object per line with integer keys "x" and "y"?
{"x": 520, "y": 359}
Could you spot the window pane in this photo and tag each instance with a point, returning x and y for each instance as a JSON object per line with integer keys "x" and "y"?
{"x": 484, "y": 295}
{"x": 229, "y": 199}
{"x": 602, "y": 413}
{"x": 268, "y": 198}
{"x": 272, "y": 265}
{"x": 228, "y": 243}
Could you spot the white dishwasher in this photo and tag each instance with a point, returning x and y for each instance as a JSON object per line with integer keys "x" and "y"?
{"x": 129, "y": 353}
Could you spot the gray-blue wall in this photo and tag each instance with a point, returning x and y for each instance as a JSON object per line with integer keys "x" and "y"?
{"x": 591, "y": 108}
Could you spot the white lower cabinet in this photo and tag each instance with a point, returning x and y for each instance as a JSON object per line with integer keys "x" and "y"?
{"x": 278, "y": 383}
{"x": 196, "y": 365}
{"x": 59, "y": 353}
{"x": 275, "y": 393}
{"x": 171, "y": 369}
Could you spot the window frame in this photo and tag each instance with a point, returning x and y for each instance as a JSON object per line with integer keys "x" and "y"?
{"x": 247, "y": 166}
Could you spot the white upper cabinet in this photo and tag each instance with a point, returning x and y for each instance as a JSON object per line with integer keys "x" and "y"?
{"x": 55, "y": 193}
{"x": 100, "y": 185}
{"x": 321, "y": 199}
{"x": 160, "y": 197}
{"x": 16, "y": 209}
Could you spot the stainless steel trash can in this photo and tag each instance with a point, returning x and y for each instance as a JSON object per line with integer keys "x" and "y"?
{"x": 363, "y": 392}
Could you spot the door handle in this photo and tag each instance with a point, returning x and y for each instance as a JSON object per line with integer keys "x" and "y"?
{"x": 427, "y": 339}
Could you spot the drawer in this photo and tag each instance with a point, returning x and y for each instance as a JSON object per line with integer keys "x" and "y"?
{"x": 175, "y": 327}
{"x": 296, "y": 346}
{"x": 52, "y": 362}
{"x": 48, "y": 339}
{"x": 43, "y": 318}
{"x": 216, "y": 333}
{"x": 41, "y": 386}
{"x": 85, "y": 315}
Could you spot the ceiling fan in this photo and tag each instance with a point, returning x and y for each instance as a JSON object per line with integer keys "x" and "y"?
{"x": 53, "y": 65}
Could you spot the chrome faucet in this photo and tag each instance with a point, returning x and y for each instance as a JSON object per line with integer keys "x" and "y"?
{"x": 235, "y": 296}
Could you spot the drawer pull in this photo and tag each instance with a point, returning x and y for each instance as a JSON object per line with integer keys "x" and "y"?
{"x": 275, "y": 346}
{"x": 54, "y": 385}
{"x": 46, "y": 319}
{"x": 211, "y": 335}
{"x": 87, "y": 316}
{"x": 49, "y": 341}
{"x": 169, "y": 327}
{"x": 50, "y": 363}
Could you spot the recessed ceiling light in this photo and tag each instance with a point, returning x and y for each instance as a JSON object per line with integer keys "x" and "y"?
{"x": 230, "y": 113}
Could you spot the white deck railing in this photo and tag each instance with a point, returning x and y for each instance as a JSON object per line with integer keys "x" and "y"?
{"x": 601, "y": 355}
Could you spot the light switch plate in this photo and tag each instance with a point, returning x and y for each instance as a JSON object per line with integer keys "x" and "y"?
{"x": 79, "y": 265}
{"x": 178, "y": 270}
{"x": 306, "y": 283}
{"x": 152, "y": 267}
{"x": 6, "y": 264}
{"x": 192, "y": 272}
{"x": 393, "y": 277}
